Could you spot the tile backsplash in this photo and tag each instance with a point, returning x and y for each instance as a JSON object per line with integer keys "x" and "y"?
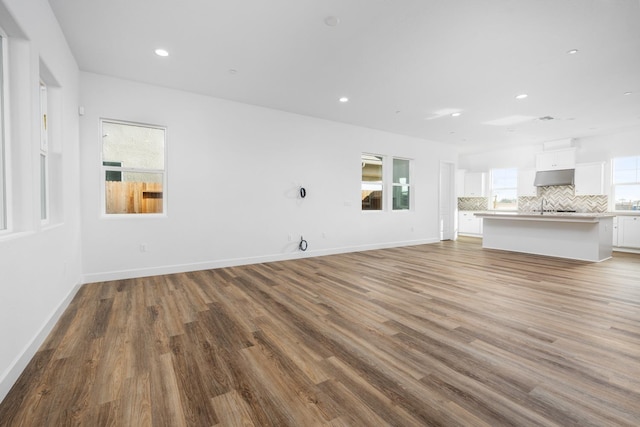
{"x": 562, "y": 197}
{"x": 473, "y": 203}
{"x": 559, "y": 197}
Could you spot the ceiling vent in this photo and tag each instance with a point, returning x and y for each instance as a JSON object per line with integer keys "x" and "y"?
{"x": 546, "y": 118}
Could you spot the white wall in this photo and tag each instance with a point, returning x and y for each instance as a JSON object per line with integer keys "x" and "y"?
{"x": 605, "y": 147}
{"x": 40, "y": 265}
{"x": 523, "y": 157}
{"x": 233, "y": 176}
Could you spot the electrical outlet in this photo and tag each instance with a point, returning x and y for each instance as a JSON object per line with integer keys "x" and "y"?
{"x": 143, "y": 247}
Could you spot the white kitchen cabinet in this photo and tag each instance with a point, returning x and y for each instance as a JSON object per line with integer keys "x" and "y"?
{"x": 525, "y": 182}
{"x": 629, "y": 231}
{"x": 474, "y": 184}
{"x": 615, "y": 231}
{"x": 469, "y": 224}
{"x": 589, "y": 179}
{"x": 556, "y": 160}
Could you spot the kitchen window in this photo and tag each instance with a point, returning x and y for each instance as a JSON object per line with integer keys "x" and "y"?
{"x": 626, "y": 183}
{"x": 133, "y": 168}
{"x": 504, "y": 189}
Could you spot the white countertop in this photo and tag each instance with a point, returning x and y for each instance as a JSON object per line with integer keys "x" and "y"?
{"x": 625, "y": 213}
{"x": 546, "y": 216}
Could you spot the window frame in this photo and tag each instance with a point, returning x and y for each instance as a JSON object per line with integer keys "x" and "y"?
{"x": 493, "y": 189}
{"x": 44, "y": 155}
{"x": 381, "y": 183}
{"x": 4, "y": 148}
{"x": 123, "y": 169}
{"x": 615, "y": 185}
{"x": 398, "y": 184}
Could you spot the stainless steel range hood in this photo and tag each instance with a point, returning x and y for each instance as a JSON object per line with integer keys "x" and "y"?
{"x": 557, "y": 177}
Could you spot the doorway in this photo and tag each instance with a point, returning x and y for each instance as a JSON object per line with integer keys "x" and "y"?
{"x": 447, "y": 201}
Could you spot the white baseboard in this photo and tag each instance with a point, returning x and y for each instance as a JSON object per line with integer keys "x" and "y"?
{"x": 627, "y": 250}
{"x": 10, "y": 376}
{"x": 232, "y": 262}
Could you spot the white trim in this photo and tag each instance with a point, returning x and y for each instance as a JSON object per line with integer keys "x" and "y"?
{"x": 409, "y": 185}
{"x": 12, "y": 373}
{"x": 381, "y": 183}
{"x": 43, "y": 158}
{"x": 625, "y": 249}
{"x": 5, "y": 181}
{"x": 233, "y": 262}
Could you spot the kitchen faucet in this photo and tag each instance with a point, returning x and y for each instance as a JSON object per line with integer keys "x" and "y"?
{"x": 542, "y": 206}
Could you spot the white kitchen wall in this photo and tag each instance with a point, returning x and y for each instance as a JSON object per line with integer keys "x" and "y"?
{"x": 599, "y": 148}
{"x": 604, "y": 147}
{"x": 521, "y": 157}
{"x": 233, "y": 177}
{"x": 39, "y": 264}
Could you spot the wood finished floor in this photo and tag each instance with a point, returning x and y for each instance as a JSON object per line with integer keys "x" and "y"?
{"x": 443, "y": 334}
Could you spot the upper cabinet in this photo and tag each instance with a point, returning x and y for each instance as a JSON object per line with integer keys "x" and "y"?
{"x": 556, "y": 160}
{"x": 525, "y": 182}
{"x": 474, "y": 184}
{"x": 589, "y": 179}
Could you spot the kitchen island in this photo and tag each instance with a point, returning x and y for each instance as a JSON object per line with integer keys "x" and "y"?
{"x": 580, "y": 236}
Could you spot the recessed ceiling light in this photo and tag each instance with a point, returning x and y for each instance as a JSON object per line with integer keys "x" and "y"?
{"x": 233, "y": 71}
{"x": 455, "y": 114}
{"x": 521, "y": 96}
{"x": 628, "y": 93}
{"x": 161, "y": 52}
{"x": 572, "y": 51}
{"x": 344, "y": 99}
{"x": 332, "y": 21}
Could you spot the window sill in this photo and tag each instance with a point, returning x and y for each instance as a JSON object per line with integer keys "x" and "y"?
{"x": 133, "y": 216}
{"x": 7, "y": 235}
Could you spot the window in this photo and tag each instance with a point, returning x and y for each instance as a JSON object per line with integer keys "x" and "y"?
{"x": 44, "y": 156}
{"x": 133, "y": 168}
{"x": 401, "y": 184}
{"x": 504, "y": 189}
{"x": 626, "y": 183}
{"x": 3, "y": 176}
{"x": 372, "y": 184}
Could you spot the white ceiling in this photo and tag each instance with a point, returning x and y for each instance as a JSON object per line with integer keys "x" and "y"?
{"x": 404, "y": 64}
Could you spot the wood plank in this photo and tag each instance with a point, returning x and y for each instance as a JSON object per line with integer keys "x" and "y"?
{"x": 442, "y": 334}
